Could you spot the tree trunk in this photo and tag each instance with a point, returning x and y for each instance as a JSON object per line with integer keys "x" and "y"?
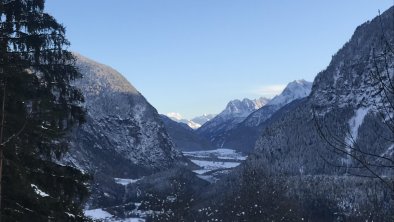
{"x": 2, "y": 147}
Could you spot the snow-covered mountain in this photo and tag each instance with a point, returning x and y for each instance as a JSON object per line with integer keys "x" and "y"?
{"x": 344, "y": 102}
{"x": 237, "y": 108}
{"x": 293, "y": 174}
{"x": 123, "y": 137}
{"x": 185, "y": 138}
{"x": 203, "y": 119}
{"x": 194, "y": 123}
{"x": 177, "y": 117}
{"x": 235, "y": 112}
{"x": 243, "y": 136}
{"x": 294, "y": 90}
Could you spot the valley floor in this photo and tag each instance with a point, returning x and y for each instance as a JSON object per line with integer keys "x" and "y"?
{"x": 213, "y": 164}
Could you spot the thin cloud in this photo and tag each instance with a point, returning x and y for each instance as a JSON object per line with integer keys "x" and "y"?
{"x": 270, "y": 90}
{"x": 174, "y": 115}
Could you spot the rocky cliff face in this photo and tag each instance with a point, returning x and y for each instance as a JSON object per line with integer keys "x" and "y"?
{"x": 344, "y": 104}
{"x": 297, "y": 89}
{"x": 124, "y": 136}
{"x": 244, "y": 135}
{"x": 235, "y": 112}
{"x": 296, "y": 170}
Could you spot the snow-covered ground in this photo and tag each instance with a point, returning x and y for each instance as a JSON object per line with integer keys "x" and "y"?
{"x": 102, "y": 215}
{"x": 224, "y": 154}
{"x": 214, "y": 163}
{"x": 125, "y": 182}
{"x": 97, "y": 214}
{"x": 38, "y": 191}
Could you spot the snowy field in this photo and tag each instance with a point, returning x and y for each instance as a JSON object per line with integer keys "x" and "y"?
{"x": 214, "y": 163}
{"x": 125, "y": 182}
{"x": 224, "y": 154}
{"x": 102, "y": 215}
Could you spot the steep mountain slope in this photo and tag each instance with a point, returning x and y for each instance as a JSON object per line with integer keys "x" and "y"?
{"x": 244, "y": 136}
{"x": 294, "y": 90}
{"x": 344, "y": 102}
{"x": 293, "y": 155}
{"x": 235, "y": 112}
{"x": 123, "y": 136}
{"x": 293, "y": 174}
{"x": 185, "y": 138}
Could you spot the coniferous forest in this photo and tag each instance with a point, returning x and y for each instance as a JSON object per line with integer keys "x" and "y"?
{"x": 39, "y": 107}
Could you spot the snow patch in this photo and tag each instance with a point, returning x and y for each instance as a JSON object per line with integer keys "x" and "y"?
{"x": 212, "y": 161}
{"x": 132, "y": 220}
{"x": 125, "y": 182}
{"x": 98, "y": 214}
{"x": 355, "y": 123}
{"x": 39, "y": 192}
{"x": 70, "y": 214}
{"x": 213, "y": 165}
{"x": 389, "y": 152}
{"x": 223, "y": 154}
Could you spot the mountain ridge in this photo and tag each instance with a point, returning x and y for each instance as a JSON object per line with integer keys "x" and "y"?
{"x": 123, "y": 136}
{"x": 235, "y": 112}
{"x": 293, "y": 168}
{"x": 242, "y": 134}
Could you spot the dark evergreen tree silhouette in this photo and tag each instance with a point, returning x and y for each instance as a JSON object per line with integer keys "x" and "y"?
{"x": 38, "y": 107}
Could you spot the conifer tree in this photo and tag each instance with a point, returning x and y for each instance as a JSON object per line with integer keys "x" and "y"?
{"x": 38, "y": 107}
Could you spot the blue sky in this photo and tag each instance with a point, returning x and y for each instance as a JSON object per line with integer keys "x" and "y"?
{"x": 193, "y": 56}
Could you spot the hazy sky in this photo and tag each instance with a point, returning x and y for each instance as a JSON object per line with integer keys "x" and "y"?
{"x": 193, "y": 56}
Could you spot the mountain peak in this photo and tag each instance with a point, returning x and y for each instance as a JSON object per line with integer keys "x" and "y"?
{"x": 299, "y": 82}
{"x": 177, "y": 117}
{"x": 99, "y": 77}
{"x": 235, "y": 112}
{"x": 294, "y": 90}
{"x": 243, "y": 108}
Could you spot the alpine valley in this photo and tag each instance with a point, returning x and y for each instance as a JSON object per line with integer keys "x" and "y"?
{"x": 318, "y": 151}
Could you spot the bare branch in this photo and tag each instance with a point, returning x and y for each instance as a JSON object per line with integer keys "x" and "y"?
{"x": 14, "y": 135}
